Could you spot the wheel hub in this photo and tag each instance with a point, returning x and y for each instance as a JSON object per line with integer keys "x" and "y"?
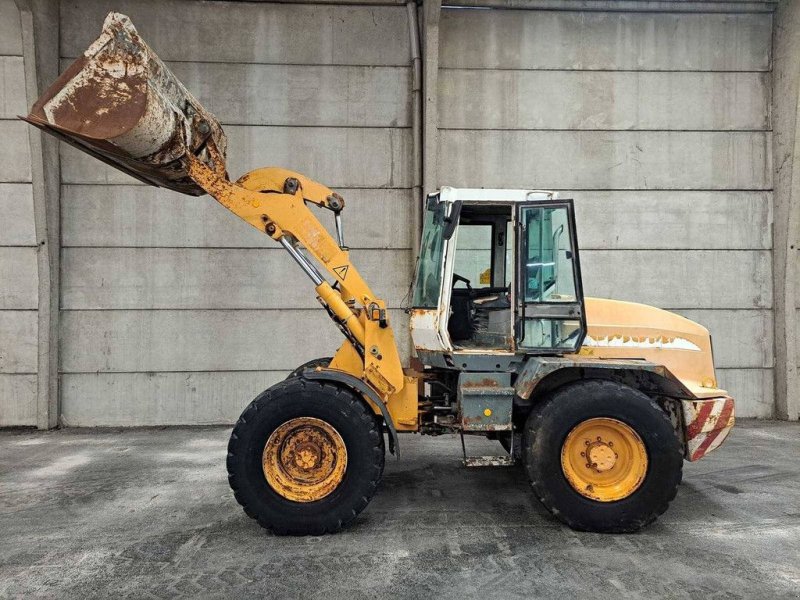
{"x": 304, "y": 459}
{"x": 604, "y": 459}
{"x": 601, "y": 457}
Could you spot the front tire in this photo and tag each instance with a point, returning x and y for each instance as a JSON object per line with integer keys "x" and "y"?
{"x": 602, "y": 457}
{"x": 305, "y": 457}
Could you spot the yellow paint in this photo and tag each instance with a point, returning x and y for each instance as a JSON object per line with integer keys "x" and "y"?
{"x": 487, "y": 412}
{"x": 604, "y": 459}
{"x": 304, "y": 459}
{"x": 656, "y": 335}
{"x": 334, "y": 301}
{"x": 347, "y": 359}
{"x": 383, "y": 369}
{"x": 404, "y": 406}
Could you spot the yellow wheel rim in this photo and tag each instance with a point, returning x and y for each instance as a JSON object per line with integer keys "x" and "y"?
{"x": 604, "y": 459}
{"x": 304, "y": 459}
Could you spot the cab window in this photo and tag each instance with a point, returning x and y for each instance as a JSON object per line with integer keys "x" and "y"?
{"x": 548, "y": 270}
{"x": 473, "y": 259}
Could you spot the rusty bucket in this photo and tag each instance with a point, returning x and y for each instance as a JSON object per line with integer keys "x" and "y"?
{"x": 121, "y": 104}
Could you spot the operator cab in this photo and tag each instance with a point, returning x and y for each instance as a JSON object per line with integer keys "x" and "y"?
{"x": 498, "y": 272}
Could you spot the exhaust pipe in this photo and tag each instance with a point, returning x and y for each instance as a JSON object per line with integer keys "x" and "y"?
{"x": 121, "y": 104}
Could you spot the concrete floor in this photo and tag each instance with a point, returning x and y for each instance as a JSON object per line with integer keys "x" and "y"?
{"x": 148, "y": 514}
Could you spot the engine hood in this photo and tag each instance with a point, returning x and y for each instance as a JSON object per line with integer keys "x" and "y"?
{"x": 618, "y": 329}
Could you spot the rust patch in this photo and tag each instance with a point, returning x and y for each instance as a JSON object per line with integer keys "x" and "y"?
{"x": 304, "y": 459}
{"x": 486, "y": 382}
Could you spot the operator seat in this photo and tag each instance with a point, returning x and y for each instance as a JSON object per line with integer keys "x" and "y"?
{"x": 461, "y": 325}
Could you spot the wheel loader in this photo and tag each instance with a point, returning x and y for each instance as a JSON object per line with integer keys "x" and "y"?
{"x": 601, "y": 401}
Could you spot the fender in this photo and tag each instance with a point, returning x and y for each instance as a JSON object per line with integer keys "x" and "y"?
{"x": 358, "y": 385}
{"x": 657, "y": 377}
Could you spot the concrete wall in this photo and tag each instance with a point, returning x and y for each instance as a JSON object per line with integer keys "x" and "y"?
{"x": 18, "y": 270}
{"x": 657, "y": 124}
{"x": 174, "y": 312}
{"x": 786, "y": 148}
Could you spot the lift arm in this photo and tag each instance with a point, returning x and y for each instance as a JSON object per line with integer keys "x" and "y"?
{"x": 273, "y": 200}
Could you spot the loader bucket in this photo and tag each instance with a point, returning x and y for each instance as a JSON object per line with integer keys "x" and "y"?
{"x": 121, "y": 104}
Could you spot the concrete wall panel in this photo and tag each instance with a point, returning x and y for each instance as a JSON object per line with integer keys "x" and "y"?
{"x": 18, "y": 264}
{"x": 680, "y": 279}
{"x": 742, "y": 338}
{"x": 18, "y": 350}
{"x": 338, "y": 157}
{"x": 485, "y": 99}
{"x": 10, "y": 34}
{"x": 649, "y": 220}
{"x": 95, "y": 215}
{"x": 16, "y": 208}
{"x": 12, "y": 94}
{"x": 15, "y": 156}
{"x": 605, "y": 159}
{"x": 18, "y": 274}
{"x": 753, "y": 390}
{"x": 198, "y": 340}
{"x": 519, "y": 39}
{"x": 17, "y": 400}
{"x": 126, "y": 399}
{"x": 159, "y": 278}
{"x": 183, "y": 30}
{"x": 247, "y": 94}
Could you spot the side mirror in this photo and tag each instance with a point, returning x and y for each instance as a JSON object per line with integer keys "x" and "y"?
{"x": 451, "y": 220}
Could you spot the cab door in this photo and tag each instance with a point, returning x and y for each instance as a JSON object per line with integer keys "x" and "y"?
{"x": 550, "y": 315}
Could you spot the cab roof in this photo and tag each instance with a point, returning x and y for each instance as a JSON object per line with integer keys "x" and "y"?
{"x": 451, "y": 194}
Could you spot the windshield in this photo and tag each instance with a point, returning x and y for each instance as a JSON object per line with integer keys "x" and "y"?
{"x": 428, "y": 281}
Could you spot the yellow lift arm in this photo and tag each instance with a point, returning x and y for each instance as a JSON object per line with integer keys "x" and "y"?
{"x": 273, "y": 200}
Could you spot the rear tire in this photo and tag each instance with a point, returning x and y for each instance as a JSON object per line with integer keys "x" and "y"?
{"x": 554, "y": 432}
{"x": 312, "y": 364}
{"x": 353, "y": 424}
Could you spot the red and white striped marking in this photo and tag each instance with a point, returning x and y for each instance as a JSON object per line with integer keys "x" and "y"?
{"x": 707, "y": 423}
